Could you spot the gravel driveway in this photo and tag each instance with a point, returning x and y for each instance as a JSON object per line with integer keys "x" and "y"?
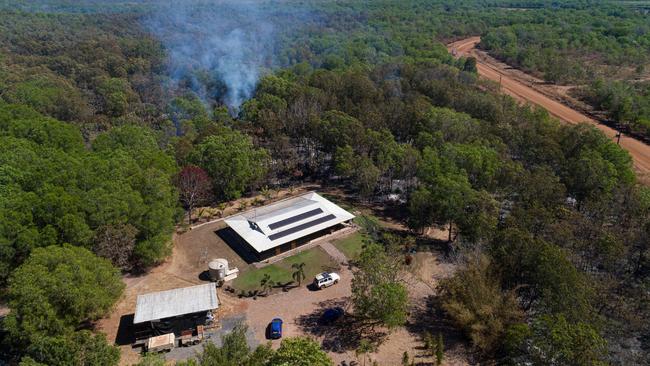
{"x": 296, "y": 302}
{"x": 227, "y": 326}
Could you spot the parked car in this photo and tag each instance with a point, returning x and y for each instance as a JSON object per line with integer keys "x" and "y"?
{"x": 331, "y": 315}
{"x": 275, "y": 329}
{"x": 326, "y": 279}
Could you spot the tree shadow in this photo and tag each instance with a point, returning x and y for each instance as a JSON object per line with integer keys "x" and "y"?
{"x": 442, "y": 248}
{"x": 430, "y": 318}
{"x": 343, "y": 335}
{"x": 286, "y": 286}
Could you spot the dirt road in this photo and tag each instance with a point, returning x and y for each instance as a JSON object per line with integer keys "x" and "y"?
{"x": 492, "y": 69}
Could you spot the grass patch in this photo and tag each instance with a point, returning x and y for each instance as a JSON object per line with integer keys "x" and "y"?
{"x": 351, "y": 245}
{"x": 315, "y": 259}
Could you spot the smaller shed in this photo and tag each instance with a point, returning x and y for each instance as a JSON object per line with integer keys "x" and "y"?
{"x": 179, "y": 310}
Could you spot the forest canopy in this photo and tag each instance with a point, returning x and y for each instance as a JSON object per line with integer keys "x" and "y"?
{"x": 105, "y": 124}
{"x": 55, "y": 190}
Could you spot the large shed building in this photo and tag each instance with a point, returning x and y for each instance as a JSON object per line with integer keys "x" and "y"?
{"x": 177, "y": 311}
{"x": 270, "y": 230}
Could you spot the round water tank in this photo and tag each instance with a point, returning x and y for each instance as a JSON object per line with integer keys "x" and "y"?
{"x": 218, "y": 268}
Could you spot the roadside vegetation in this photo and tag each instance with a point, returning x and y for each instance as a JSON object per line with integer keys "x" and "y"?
{"x": 101, "y": 150}
{"x": 604, "y": 50}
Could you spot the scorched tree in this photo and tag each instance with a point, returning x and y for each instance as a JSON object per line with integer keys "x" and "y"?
{"x": 194, "y": 188}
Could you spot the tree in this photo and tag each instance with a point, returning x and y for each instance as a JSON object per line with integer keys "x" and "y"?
{"x": 234, "y": 351}
{"x": 151, "y": 359}
{"x": 590, "y": 175}
{"x": 543, "y": 274}
{"x": 540, "y": 187}
{"x": 377, "y": 293}
{"x": 366, "y": 176}
{"x": 558, "y": 341}
{"x": 421, "y": 210}
{"x": 470, "y": 65}
{"x": 365, "y": 346}
{"x": 595, "y": 164}
{"x": 116, "y": 243}
{"x": 405, "y": 359}
{"x": 429, "y": 343}
{"x": 475, "y": 302}
{"x": 116, "y": 95}
{"x": 57, "y": 191}
{"x": 194, "y": 188}
{"x": 440, "y": 349}
{"x": 57, "y": 290}
{"x": 300, "y": 351}
{"x": 232, "y": 162}
{"x": 338, "y": 129}
{"x": 446, "y": 199}
{"x": 267, "y": 283}
{"x": 344, "y": 161}
{"x": 299, "y": 272}
{"x": 480, "y": 162}
{"x": 76, "y": 349}
{"x": 50, "y": 95}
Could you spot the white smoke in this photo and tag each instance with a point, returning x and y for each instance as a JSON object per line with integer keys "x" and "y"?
{"x": 217, "y": 48}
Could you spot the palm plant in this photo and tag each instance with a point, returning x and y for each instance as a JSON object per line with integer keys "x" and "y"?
{"x": 298, "y": 274}
{"x": 267, "y": 283}
{"x": 266, "y": 192}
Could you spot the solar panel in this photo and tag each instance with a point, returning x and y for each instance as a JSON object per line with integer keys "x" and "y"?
{"x": 296, "y": 218}
{"x": 306, "y": 225}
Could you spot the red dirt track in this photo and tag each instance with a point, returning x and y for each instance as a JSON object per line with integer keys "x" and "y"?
{"x": 490, "y": 69}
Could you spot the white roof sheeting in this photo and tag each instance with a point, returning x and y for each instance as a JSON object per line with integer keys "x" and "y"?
{"x": 279, "y": 223}
{"x": 180, "y": 301}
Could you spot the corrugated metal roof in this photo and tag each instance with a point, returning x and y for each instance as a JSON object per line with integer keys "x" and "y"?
{"x": 267, "y": 227}
{"x": 180, "y": 301}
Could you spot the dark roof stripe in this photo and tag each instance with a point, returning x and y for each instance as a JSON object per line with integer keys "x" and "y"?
{"x": 296, "y": 218}
{"x": 306, "y": 225}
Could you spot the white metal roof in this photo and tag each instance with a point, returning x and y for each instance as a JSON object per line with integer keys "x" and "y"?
{"x": 180, "y": 301}
{"x": 267, "y": 227}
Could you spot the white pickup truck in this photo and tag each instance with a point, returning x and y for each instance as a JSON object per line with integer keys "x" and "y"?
{"x": 326, "y": 279}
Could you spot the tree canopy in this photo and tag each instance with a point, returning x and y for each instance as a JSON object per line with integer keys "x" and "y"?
{"x": 57, "y": 290}
{"x": 97, "y": 121}
{"x": 56, "y": 191}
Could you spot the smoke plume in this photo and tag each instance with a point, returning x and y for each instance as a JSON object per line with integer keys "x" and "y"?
{"x": 219, "y": 49}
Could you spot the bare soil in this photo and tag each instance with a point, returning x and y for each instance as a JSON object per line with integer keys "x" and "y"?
{"x": 192, "y": 251}
{"x": 555, "y": 100}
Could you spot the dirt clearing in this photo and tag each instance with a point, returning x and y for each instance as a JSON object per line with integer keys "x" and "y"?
{"x": 300, "y": 307}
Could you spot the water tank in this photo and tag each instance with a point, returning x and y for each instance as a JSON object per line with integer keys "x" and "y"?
{"x": 218, "y": 269}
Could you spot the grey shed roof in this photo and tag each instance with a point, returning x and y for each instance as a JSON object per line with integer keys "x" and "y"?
{"x": 176, "y": 302}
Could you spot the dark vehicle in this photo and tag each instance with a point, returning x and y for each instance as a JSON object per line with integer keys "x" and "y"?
{"x": 275, "y": 331}
{"x": 331, "y": 315}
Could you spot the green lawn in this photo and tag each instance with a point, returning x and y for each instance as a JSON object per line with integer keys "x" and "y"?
{"x": 351, "y": 245}
{"x": 315, "y": 259}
